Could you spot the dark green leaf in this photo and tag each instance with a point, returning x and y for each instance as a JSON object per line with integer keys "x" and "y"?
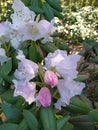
{"x": 68, "y": 126}
{"x": 81, "y": 78}
{"x": 78, "y": 106}
{"x": 47, "y": 116}
{"x": 23, "y": 125}
{"x": 12, "y": 113}
{"x": 8, "y": 97}
{"x": 83, "y": 122}
{"x": 94, "y": 115}
{"x": 6, "y": 68}
{"x": 61, "y": 122}
{"x": 49, "y": 47}
{"x": 34, "y": 55}
{"x": 8, "y": 126}
{"x": 31, "y": 120}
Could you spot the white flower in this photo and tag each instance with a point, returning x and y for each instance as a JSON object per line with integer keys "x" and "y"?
{"x": 67, "y": 89}
{"x": 65, "y": 65}
{"x": 54, "y": 58}
{"x": 21, "y": 13}
{"x": 48, "y": 30}
{"x": 25, "y": 28}
{"x": 25, "y": 89}
{"x": 3, "y": 56}
{"x": 5, "y": 32}
{"x": 27, "y": 69}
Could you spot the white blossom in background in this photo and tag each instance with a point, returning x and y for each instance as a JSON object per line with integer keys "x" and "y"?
{"x": 21, "y": 13}
{"x": 3, "y": 57}
{"x": 66, "y": 67}
{"x": 84, "y": 23}
{"x": 25, "y": 27}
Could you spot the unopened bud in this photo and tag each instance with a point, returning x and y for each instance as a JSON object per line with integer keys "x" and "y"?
{"x": 50, "y": 78}
{"x": 44, "y": 97}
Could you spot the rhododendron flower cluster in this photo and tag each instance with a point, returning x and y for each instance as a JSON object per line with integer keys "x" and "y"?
{"x": 63, "y": 78}
{"x": 24, "y": 27}
{"x": 32, "y": 82}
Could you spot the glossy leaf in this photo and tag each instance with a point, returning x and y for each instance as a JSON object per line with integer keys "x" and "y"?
{"x": 8, "y": 126}
{"x": 48, "y": 119}
{"x": 61, "y": 122}
{"x": 31, "y": 120}
{"x": 94, "y": 115}
{"x": 5, "y": 69}
{"x": 23, "y": 125}
{"x": 78, "y": 106}
{"x": 12, "y": 113}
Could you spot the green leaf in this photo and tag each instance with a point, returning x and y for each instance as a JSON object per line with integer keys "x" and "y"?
{"x": 94, "y": 115}
{"x": 61, "y": 122}
{"x": 78, "y": 106}
{"x": 49, "y": 47}
{"x": 34, "y": 55}
{"x": 68, "y": 126}
{"x": 2, "y": 90}
{"x": 95, "y": 59}
{"x": 48, "y": 119}
{"x": 6, "y": 68}
{"x": 81, "y": 78}
{"x": 86, "y": 101}
{"x": 47, "y": 11}
{"x": 12, "y": 113}
{"x": 83, "y": 122}
{"x": 8, "y": 97}
{"x": 35, "y": 6}
{"x": 8, "y": 126}
{"x": 26, "y": 2}
{"x": 23, "y": 125}
{"x": 31, "y": 120}
{"x": 61, "y": 45}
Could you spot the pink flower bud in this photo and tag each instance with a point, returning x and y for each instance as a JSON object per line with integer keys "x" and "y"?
{"x": 50, "y": 78}
{"x": 44, "y": 97}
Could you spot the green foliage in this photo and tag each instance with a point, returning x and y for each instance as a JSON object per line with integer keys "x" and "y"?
{"x": 61, "y": 123}
{"x": 31, "y": 120}
{"x": 48, "y": 118}
{"x": 12, "y": 113}
{"x": 8, "y": 126}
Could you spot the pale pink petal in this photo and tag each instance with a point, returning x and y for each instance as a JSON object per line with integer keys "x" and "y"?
{"x": 27, "y": 69}
{"x": 55, "y": 58}
{"x": 67, "y": 89}
{"x": 25, "y": 89}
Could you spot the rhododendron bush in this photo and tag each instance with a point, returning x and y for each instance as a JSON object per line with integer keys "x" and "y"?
{"x": 40, "y": 84}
